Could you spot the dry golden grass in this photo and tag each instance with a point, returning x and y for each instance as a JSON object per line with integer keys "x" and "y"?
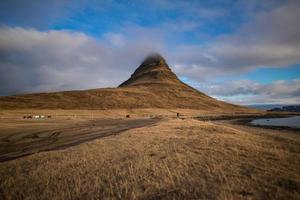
{"x": 167, "y": 96}
{"x": 76, "y": 114}
{"x": 175, "y": 159}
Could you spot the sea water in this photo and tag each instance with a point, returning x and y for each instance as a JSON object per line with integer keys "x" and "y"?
{"x": 293, "y": 122}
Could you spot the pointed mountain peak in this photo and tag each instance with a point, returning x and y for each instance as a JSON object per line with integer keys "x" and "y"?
{"x": 154, "y": 69}
{"x": 153, "y": 59}
{"x": 151, "y": 62}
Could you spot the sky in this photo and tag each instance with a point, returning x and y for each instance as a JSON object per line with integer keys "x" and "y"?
{"x": 243, "y": 52}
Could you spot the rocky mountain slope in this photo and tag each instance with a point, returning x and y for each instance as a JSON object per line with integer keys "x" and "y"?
{"x": 152, "y": 85}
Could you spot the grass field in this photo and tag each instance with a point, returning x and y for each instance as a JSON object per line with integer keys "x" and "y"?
{"x": 173, "y": 159}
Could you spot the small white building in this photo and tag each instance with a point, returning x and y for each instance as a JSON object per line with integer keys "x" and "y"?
{"x": 38, "y": 116}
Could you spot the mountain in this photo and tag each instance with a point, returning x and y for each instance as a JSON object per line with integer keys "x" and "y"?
{"x": 152, "y": 85}
{"x": 264, "y": 106}
{"x": 153, "y": 70}
{"x": 291, "y": 108}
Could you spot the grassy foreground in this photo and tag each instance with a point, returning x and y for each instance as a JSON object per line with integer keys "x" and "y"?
{"x": 175, "y": 159}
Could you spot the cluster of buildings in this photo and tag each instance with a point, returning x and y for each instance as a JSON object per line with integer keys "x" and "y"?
{"x": 36, "y": 116}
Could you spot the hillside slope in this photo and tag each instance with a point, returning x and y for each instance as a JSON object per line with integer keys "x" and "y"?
{"x": 152, "y": 85}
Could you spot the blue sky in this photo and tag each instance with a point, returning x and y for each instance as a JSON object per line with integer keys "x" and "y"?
{"x": 245, "y": 52}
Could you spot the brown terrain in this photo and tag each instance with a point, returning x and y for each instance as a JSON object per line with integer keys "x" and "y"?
{"x": 128, "y": 143}
{"x": 152, "y": 85}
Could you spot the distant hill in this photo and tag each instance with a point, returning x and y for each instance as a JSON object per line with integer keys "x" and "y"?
{"x": 152, "y": 85}
{"x": 265, "y": 106}
{"x": 291, "y": 108}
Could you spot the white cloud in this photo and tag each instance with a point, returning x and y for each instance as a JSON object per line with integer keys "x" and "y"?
{"x": 34, "y": 61}
{"x": 116, "y": 39}
{"x": 269, "y": 39}
{"x": 251, "y": 92}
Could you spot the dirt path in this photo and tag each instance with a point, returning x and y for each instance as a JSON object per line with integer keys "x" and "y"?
{"x": 22, "y": 141}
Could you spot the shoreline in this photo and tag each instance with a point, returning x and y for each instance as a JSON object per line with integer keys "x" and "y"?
{"x": 245, "y": 116}
{"x": 245, "y": 120}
